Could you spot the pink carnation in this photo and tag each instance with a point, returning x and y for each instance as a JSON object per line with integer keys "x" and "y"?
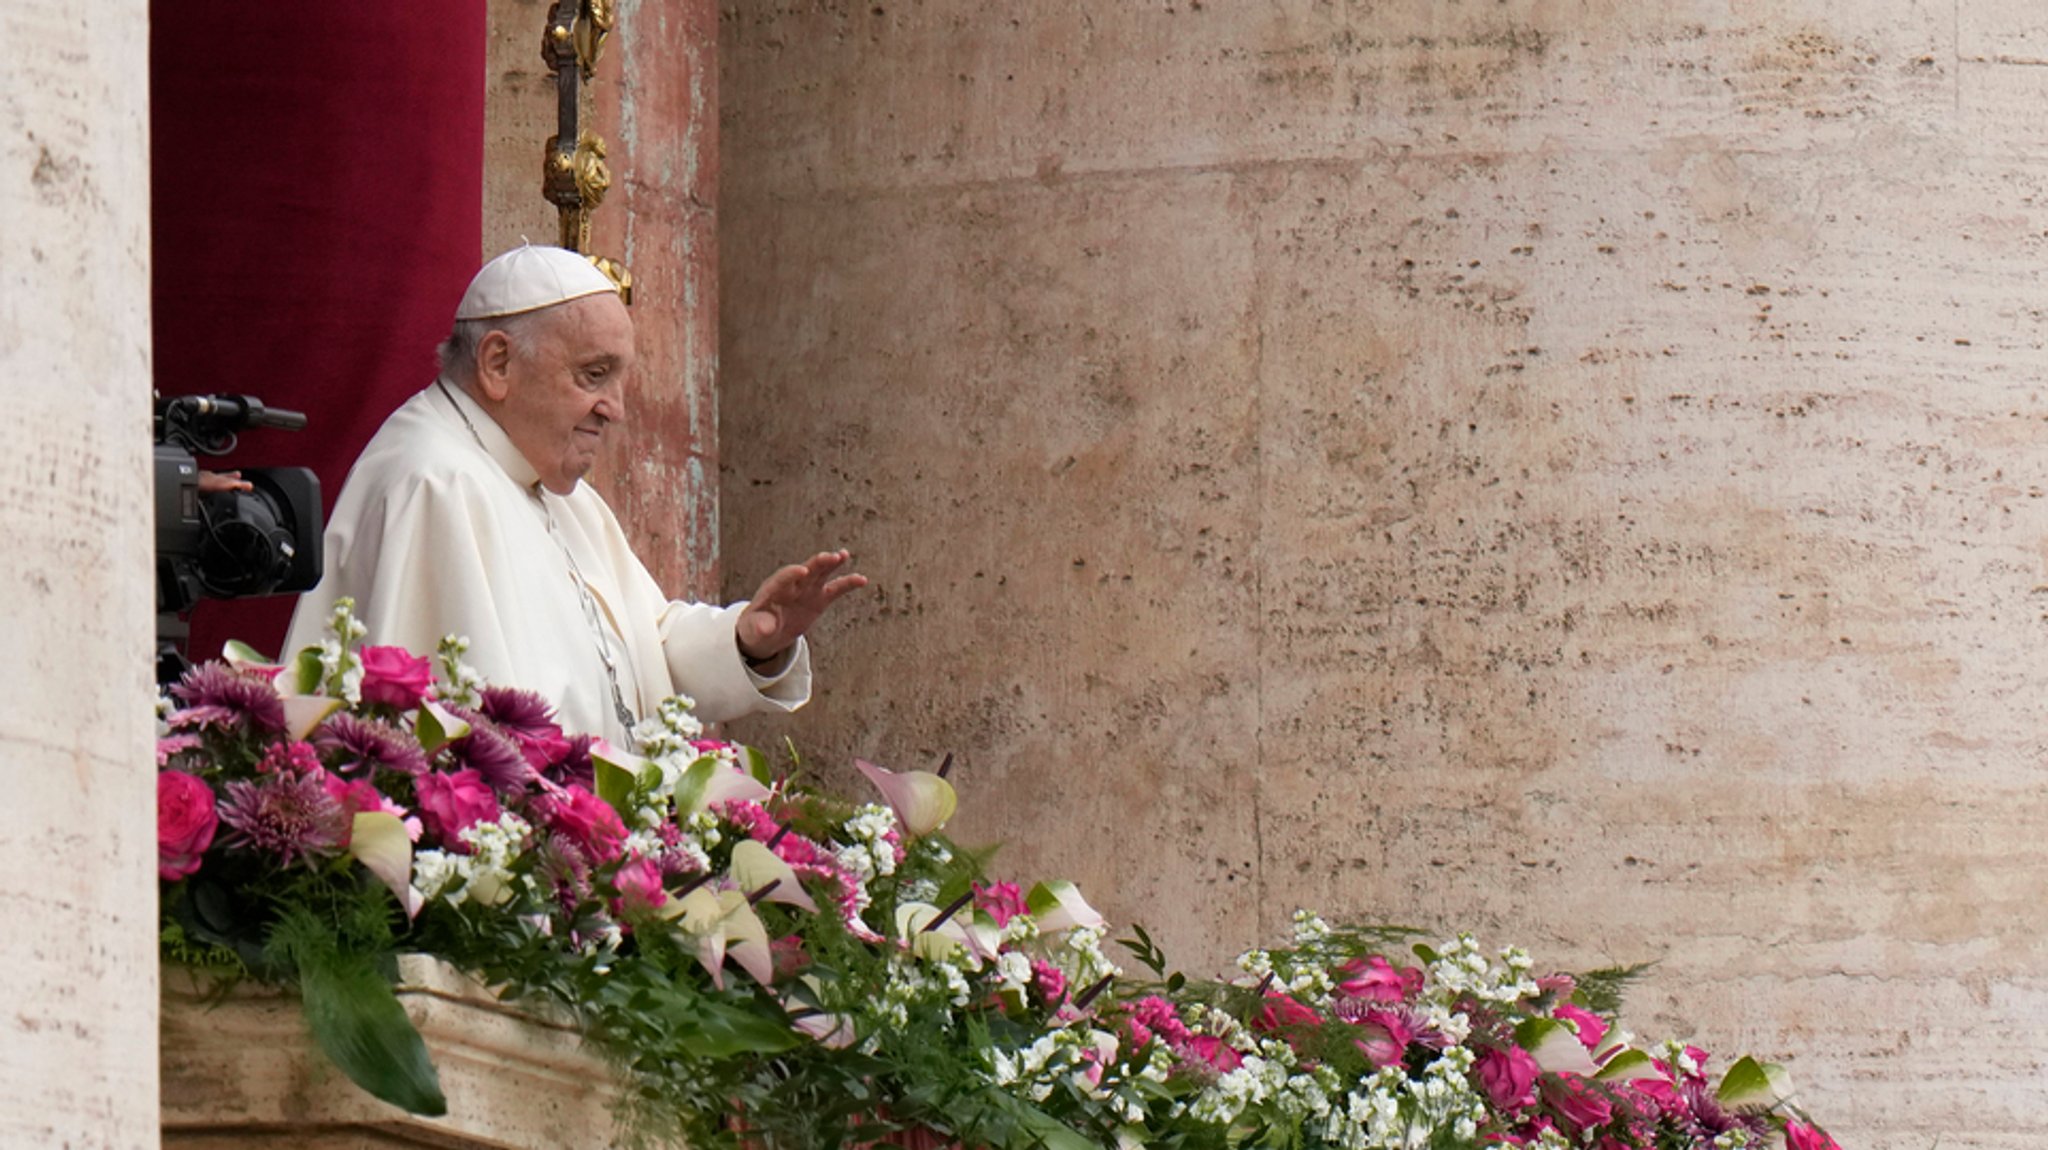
{"x": 639, "y": 884}
{"x": 451, "y": 803}
{"x": 395, "y": 677}
{"x": 1001, "y": 901}
{"x": 585, "y": 820}
{"x": 185, "y": 822}
{"x": 1211, "y": 1051}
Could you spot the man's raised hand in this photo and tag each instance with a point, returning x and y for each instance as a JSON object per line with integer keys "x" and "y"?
{"x": 790, "y": 600}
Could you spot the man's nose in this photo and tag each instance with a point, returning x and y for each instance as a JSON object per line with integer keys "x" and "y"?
{"x": 611, "y": 405}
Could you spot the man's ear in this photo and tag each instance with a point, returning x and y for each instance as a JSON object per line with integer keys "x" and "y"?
{"x": 494, "y": 366}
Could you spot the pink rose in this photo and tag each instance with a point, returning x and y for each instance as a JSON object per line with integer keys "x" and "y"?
{"x": 1383, "y": 1037}
{"x": 1800, "y": 1136}
{"x": 639, "y": 885}
{"x": 1577, "y": 1101}
{"x": 1377, "y": 980}
{"x": 392, "y": 676}
{"x": 583, "y": 819}
{"x": 452, "y": 803}
{"x": 1508, "y": 1076}
{"x": 185, "y": 822}
{"x": 1589, "y": 1026}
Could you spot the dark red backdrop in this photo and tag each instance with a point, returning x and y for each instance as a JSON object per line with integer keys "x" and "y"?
{"x": 317, "y": 184}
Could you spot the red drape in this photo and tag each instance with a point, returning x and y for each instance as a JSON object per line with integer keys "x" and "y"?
{"x": 317, "y": 184}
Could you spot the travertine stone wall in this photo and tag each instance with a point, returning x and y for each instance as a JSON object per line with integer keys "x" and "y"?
{"x": 78, "y": 836}
{"x": 1569, "y": 470}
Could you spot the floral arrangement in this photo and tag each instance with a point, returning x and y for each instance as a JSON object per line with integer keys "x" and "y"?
{"x": 769, "y": 966}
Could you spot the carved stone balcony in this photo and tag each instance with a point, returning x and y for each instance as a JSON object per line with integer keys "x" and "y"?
{"x": 246, "y": 1074}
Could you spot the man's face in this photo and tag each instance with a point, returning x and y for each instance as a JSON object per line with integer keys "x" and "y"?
{"x": 562, "y": 398}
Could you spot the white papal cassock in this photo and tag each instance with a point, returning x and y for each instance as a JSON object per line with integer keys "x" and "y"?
{"x": 440, "y": 531}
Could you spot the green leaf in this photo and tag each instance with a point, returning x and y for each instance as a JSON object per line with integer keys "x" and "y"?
{"x": 1751, "y": 1084}
{"x": 357, "y": 1020}
{"x": 306, "y": 671}
{"x": 615, "y": 784}
{"x": 437, "y": 726}
{"x": 718, "y": 1031}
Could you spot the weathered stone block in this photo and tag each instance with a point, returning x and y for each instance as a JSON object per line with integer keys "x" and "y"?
{"x": 245, "y": 1074}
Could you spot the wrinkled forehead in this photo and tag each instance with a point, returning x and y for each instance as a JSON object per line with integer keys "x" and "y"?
{"x": 590, "y": 327}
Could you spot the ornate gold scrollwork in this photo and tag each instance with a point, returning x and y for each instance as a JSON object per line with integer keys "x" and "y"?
{"x": 576, "y": 179}
{"x": 593, "y": 24}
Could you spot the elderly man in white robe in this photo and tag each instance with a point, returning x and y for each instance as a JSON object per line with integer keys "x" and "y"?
{"x": 466, "y": 514}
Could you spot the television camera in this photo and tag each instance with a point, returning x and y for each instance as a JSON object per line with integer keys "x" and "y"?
{"x": 218, "y": 537}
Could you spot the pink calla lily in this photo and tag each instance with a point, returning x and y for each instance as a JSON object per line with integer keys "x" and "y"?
{"x": 379, "y": 841}
{"x": 922, "y": 801}
{"x": 754, "y": 866}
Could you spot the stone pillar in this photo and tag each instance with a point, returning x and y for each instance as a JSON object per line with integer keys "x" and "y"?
{"x": 77, "y": 839}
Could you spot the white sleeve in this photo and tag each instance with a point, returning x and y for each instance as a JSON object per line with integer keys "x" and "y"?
{"x": 701, "y": 644}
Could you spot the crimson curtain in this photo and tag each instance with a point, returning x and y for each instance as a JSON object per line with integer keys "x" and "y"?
{"x": 317, "y": 185}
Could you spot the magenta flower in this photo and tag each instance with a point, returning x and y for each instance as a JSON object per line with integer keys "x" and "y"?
{"x": 1281, "y": 1013}
{"x": 450, "y": 803}
{"x": 1211, "y": 1051}
{"x": 1383, "y": 1036}
{"x": 369, "y": 745}
{"x": 185, "y": 822}
{"x": 585, "y": 820}
{"x": 290, "y": 756}
{"x": 1376, "y": 980}
{"x": 492, "y": 754}
{"x": 530, "y": 722}
{"x": 1001, "y": 901}
{"x": 288, "y": 816}
{"x": 1508, "y": 1075}
{"x": 1591, "y": 1029}
{"x": 574, "y": 768}
{"x": 171, "y": 746}
{"x": 394, "y": 677}
{"x": 1049, "y": 980}
{"x": 639, "y": 885}
{"x": 1575, "y": 1100}
{"x": 1800, "y": 1136}
{"x": 1158, "y": 1016}
{"x": 219, "y": 697}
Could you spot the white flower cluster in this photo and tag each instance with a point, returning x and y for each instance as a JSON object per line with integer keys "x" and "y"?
{"x": 1461, "y": 969}
{"x": 1390, "y": 1111}
{"x": 484, "y": 875}
{"x": 869, "y": 854}
{"x": 340, "y": 668}
{"x": 666, "y": 734}
{"x": 1083, "y": 958}
{"x": 464, "y": 686}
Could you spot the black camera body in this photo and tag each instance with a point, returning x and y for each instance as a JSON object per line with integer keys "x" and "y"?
{"x": 224, "y": 543}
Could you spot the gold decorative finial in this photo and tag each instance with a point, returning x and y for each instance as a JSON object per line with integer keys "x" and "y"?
{"x": 575, "y": 179}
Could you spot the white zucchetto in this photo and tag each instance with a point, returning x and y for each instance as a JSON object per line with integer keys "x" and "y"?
{"x": 530, "y": 277}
